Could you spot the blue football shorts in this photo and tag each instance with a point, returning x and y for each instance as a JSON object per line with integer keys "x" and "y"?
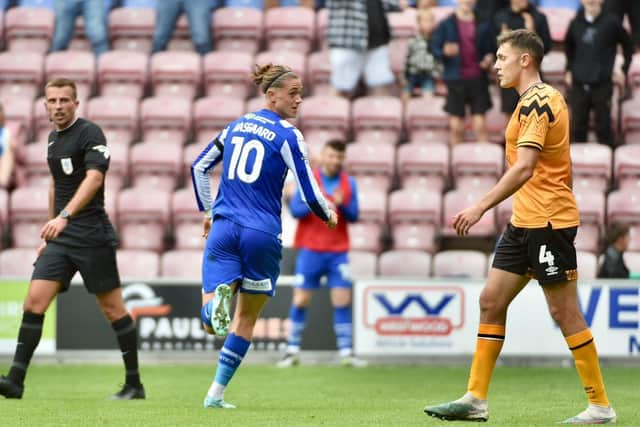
{"x": 237, "y": 253}
{"x": 311, "y": 266}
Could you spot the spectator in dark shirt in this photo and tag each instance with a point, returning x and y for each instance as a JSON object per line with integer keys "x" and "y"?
{"x": 617, "y": 241}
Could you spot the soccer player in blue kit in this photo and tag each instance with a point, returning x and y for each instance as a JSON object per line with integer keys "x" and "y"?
{"x": 243, "y": 225}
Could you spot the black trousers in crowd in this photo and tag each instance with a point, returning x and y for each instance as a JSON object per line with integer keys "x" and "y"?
{"x": 585, "y": 98}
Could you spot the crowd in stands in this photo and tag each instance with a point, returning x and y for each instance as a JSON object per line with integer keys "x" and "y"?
{"x": 395, "y": 78}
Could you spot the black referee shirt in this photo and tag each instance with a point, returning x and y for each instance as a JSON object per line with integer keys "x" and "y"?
{"x": 71, "y": 152}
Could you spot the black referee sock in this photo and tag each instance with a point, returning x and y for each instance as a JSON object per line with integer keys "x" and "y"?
{"x": 128, "y": 341}
{"x": 28, "y": 339}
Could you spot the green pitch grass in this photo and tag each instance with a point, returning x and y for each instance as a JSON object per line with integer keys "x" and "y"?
{"x": 73, "y": 395}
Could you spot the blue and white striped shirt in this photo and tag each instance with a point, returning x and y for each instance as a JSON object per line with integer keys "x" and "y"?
{"x": 256, "y": 151}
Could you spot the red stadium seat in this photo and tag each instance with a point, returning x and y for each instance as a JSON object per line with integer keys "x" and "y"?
{"x": 181, "y": 37}
{"x": 624, "y": 206}
{"x": 117, "y": 116}
{"x": 371, "y": 163}
{"x": 176, "y": 74}
{"x": 372, "y": 203}
{"x": 419, "y": 236}
{"x": 75, "y": 65}
{"x": 322, "y": 21}
{"x": 591, "y": 166}
{"x": 156, "y": 165}
{"x": 122, "y": 72}
{"x": 496, "y": 123}
{"x": 425, "y": 118}
{"x": 138, "y": 264}
{"x": 457, "y": 200}
{"x": 591, "y": 205}
{"x": 363, "y": 264}
{"x": 165, "y": 118}
{"x": 17, "y": 262}
{"x": 79, "y": 42}
{"x": 423, "y": 165}
{"x": 36, "y": 165}
{"x": 365, "y": 236}
{"x": 296, "y": 60}
{"x": 405, "y": 263}
{"x": 627, "y": 166}
{"x": 225, "y": 73}
{"x": 111, "y": 201}
{"x": 319, "y": 73}
{"x": 398, "y": 55}
{"x": 558, "y": 19}
{"x": 29, "y": 210}
{"x": 554, "y": 67}
{"x": 29, "y": 29}
{"x": 587, "y": 265}
{"x": 377, "y": 119}
{"x": 460, "y": 263}
{"x": 631, "y": 260}
{"x": 187, "y": 220}
{"x": 21, "y": 74}
{"x": 403, "y": 24}
{"x": 415, "y": 218}
{"x": 143, "y": 225}
{"x": 325, "y": 116}
{"x": 237, "y": 29}
{"x": 476, "y": 164}
{"x": 131, "y": 29}
{"x": 182, "y": 264}
{"x": 213, "y": 113}
{"x": 631, "y": 120}
{"x": 290, "y": 28}
{"x": 118, "y": 167}
{"x": 19, "y": 109}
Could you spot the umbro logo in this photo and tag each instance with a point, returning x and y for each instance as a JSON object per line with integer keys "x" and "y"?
{"x": 50, "y": 143}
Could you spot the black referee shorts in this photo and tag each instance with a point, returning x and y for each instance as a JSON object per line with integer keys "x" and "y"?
{"x": 545, "y": 254}
{"x": 97, "y": 266}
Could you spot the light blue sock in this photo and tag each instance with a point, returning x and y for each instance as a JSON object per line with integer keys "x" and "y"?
{"x": 343, "y": 329}
{"x": 230, "y": 357}
{"x": 298, "y": 316}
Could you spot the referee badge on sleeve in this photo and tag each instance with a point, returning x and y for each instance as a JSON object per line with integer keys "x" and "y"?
{"x": 67, "y": 165}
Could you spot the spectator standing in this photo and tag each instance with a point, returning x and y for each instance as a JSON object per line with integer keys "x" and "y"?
{"x": 631, "y": 9}
{"x": 617, "y": 241}
{"x": 590, "y": 46}
{"x": 465, "y": 45}
{"x": 199, "y": 15}
{"x": 94, "y": 13}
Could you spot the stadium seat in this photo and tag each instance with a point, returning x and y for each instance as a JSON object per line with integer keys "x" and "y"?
{"x": 415, "y": 218}
{"x": 405, "y": 263}
{"x": 587, "y": 265}
{"x": 213, "y": 113}
{"x": 624, "y": 206}
{"x": 322, "y": 21}
{"x": 79, "y": 42}
{"x": 627, "y": 166}
{"x": 372, "y": 203}
{"x": 476, "y": 164}
{"x": 631, "y": 260}
{"x": 122, "y": 72}
{"x": 591, "y": 205}
{"x": 296, "y": 60}
{"x": 186, "y": 219}
{"x": 132, "y": 29}
{"x": 143, "y": 225}
{"x": 398, "y": 56}
{"x": 496, "y": 123}
{"x": 17, "y": 262}
{"x": 21, "y": 74}
{"x": 78, "y": 66}
{"x": 156, "y": 165}
{"x": 325, "y": 117}
{"x": 36, "y": 165}
{"x": 29, "y": 29}
{"x": 28, "y": 210}
{"x": 138, "y": 264}
{"x": 289, "y": 28}
{"x": 118, "y": 173}
{"x": 423, "y": 165}
{"x": 19, "y": 109}
{"x": 377, "y": 119}
{"x": 634, "y": 71}
{"x": 371, "y": 165}
{"x": 363, "y": 264}
{"x": 237, "y": 29}
{"x": 225, "y": 73}
{"x": 554, "y": 67}
{"x": 117, "y": 116}
{"x": 403, "y": 24}
{"x": 165, "y": 118}
{"x": 558, "y": 19}
{"x": 176, "y": 74}
{"x": 111, "y": 202}
{"x": 503, "y": 213}
{"x": 365, "y": 236}
{"x": 182, "y": 264}
{"x": 460, "y": 263}
{"x": 457, "y": 200}
{"x": 591, "y": 166}
{"x": 425, "y": 118}
{"x": 181, "y": 37}
{"x": 319, "y": 73}
{"x": 190, "y": 153}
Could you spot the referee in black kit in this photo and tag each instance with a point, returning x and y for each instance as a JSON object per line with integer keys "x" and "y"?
{"x": 77, "y": 237}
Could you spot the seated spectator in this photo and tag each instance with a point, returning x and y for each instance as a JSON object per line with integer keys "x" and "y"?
{"x": 94, "y": 14}
{"x": 421, "y": 67}
{"x": 466, "y": 46}
{"x": 6, "y": 153}
{"x": 199, "y": 15}
{"x": 617, "y": 241}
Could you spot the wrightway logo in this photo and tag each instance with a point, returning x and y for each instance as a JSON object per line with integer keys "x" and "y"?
{"x": 414, "y": 310}
{"x": 141, "y": 300}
